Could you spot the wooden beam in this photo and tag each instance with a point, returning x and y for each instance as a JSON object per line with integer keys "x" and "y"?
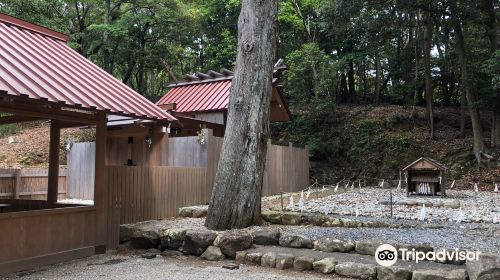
{"x": 53, "y": 180}
{"x": 17, "y": 119}
{"x": 168, "y": 106}
{"x": 100, "y": 190}
{"x": 44, "y": 112}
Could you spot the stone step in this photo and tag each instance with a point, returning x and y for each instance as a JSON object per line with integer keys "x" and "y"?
{"x": 347, "y": 264}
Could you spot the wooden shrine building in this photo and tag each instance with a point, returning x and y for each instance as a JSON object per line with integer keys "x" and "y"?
{"x": 425, "y": 177}
{"x": 41, "y": 78}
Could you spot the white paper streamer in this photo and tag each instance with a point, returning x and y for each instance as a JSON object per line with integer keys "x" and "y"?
{"x": 496, "y": 188}
{"x": 476, "y": 189}
{"x": 291, "y": 205}
{"x": 336, "y": 187}
{"x": 308, "y": 192}
{"x": 399, "y": 185}
{"x": 382, "y": 184}
{"x": 421, "y": 215}
{"x": 452, "y": 184}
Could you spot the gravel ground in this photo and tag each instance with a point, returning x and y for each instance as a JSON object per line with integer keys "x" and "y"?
{"x": 129, "y": 265}
{"x": 475, "y": 207}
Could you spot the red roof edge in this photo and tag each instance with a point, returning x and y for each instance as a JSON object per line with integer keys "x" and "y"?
{"x": 33, "y": 27}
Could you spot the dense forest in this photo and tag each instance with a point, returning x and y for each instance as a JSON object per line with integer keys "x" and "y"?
{"x": 416, "y": 54}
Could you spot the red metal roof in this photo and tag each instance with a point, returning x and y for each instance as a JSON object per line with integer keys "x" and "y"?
{"x": 35, "y": 62}
{"x": 199, "y": 97}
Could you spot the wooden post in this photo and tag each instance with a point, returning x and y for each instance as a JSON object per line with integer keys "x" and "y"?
{"x": 53, "y": 180}
{"x": 17, "y": 184}
{"x": 100, "y": 190}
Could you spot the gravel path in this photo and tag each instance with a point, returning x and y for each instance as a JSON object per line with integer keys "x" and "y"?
{"x": 126, "y": 266}
{"x": 467, "y": 236}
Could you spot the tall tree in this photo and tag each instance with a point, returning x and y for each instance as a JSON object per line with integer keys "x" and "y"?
{"x": 477, "y": 130}
{"x": 236, "y": 195}
{"x": 427, "y": 38}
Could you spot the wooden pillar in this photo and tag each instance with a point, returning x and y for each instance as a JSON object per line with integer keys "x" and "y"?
{"x": 17, "y": 184}
{"x": 100, "y": 189}
{"x": 53, "y": 180}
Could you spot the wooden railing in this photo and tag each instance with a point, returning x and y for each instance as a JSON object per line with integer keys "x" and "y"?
{"x": 29, "y": 183}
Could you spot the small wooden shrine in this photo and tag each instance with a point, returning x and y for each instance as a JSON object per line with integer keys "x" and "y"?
{"x": 425, "y": 177}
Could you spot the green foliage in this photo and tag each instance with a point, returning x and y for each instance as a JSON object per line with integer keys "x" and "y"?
{"x": 8, "y": 130}
{"x": 309, "y": 75}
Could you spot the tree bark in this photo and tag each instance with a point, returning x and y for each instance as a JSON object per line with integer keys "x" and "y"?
{"x": 477, "y": 129}
{"x": 378, "y": 79}
{"x": 236, "y": 195}
{"x": 427, "y": 38}
{"x": 350, "y": 79}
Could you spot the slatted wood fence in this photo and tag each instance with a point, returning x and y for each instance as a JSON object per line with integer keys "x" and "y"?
{"x": 144, "y": 193}
{"x": 29, "y": 183}
{"x": 81, "y": 171}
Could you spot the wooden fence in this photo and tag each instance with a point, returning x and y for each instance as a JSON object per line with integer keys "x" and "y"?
{"x": 29, "y": 183}
{"x": 287, "y": 169}
{"x": 144, "y": 193}
{"x": 81, "y": 171}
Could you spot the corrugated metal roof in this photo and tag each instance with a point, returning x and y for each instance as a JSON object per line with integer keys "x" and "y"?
{"x": 199, "y": 97}
{"x": 35, "y": 62}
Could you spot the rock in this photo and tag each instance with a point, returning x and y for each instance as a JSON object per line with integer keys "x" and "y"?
{"x": 197, "y": 241}
{"x": 393, "y": 273}
{"x": 438, "y": 204}
{"x": 172, "y": 238}
{"x": 367, "y": 247}
{"x": 253, "y": 258}
{"x": 127, "y": 231}
{"x": 171, "y": 253}
{"x": 284, "y": 261}
{"x": 325, "y": 266}
{"x": 266, "y": 236}
{"x": 240, "y": 257}
{"x": 356, "y": 270}
{"x": 302, "y": 263}
{"x": 145, "y": 239}
{"x": 291, "y": 218}
{"x": 316, "y": 219}
{"x": 349, "y": 223}
{"x": 418, "y": 247}
{"x": 452, "y": 203}
{"x": 332, "y": 222}
{"x": 433, "y": 226}
{"x": 374, "y": 224}
{"x": 231, "y": 266}
{"x": 487, "y": 267}
{"x": 443, "y": 256}
{"x": 295, "y": 241}
{"x": 268, "y": 259}
{"x": 213, "y": 253}
{"x": 193, "y": 211}
{"x": 233, "y": 241}
{"x": 458, "y": 274}
{"x": 151, "y": 253}
{"x": 272, "y": 217}
{"x": 328, "y": 244}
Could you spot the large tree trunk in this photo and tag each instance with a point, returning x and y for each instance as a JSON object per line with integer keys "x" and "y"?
{"x": 477, "y": 129}
{"x": 427, "y": 38}
{"x": 236, "y": 195}
{"x": 378, "y": 79}
{"x": 350, "y": 78}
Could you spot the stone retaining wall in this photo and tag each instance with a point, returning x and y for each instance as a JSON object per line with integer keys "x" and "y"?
{"x": 211, "y": 245}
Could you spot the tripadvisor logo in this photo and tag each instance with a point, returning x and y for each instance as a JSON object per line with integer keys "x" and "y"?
{"x": 387, "y": 255}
